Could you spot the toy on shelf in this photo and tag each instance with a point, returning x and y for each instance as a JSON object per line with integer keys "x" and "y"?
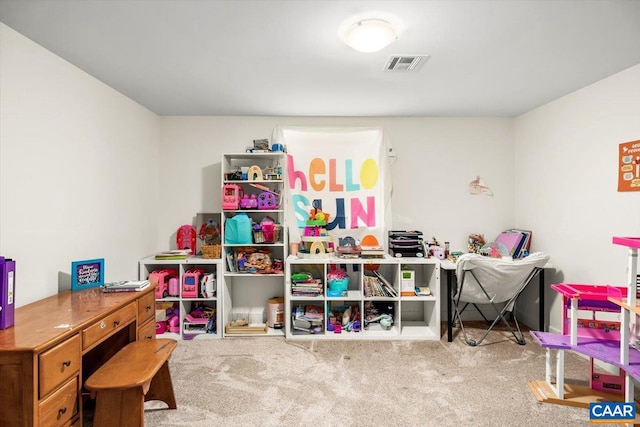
{"x": 209, "y": 232}
{"x": 348, "y": 248}
{"x": 161, "y": 279}
{"x": 190, "y": 281}
{"x": 266, "y": 232}
{"x": 201, "y": 319}
{"x": 255, "y": 174}
{"x": 338, "y": 282}
{"x": 186, "y": 238}
{"x": 273, "y": 174}
{"x": 249, "y": 202}
{"x": 232, "y": 194}
{"x": 209, "y": 236}
{"x": 267, "y": 200}
{"x": 316, "y": 242}
{"x": 208, "y": 285}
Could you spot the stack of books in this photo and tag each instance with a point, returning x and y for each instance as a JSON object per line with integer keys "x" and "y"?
{"x": 126, "y": 286}
{"x": 175, "y": 254}
{"x": 378, "y": 286}
{"x": 306, "y": 287}
{"x": 376, "y": 251}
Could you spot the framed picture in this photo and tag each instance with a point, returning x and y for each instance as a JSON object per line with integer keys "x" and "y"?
{"x": 87, "y": 274}
{"x": 261, "y": 144}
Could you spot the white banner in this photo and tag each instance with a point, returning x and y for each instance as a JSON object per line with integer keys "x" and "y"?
{"x": 345, "y": 173}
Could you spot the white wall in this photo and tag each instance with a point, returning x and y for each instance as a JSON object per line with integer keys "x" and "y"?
{"x": 78, "y": 170}
{"x": 85, "y": 172}
{"x": 566, "y": 153}
{"x": 436, "y": 160}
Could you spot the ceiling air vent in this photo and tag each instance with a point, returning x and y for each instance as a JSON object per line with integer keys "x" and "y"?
{"x": 405, "y": 62}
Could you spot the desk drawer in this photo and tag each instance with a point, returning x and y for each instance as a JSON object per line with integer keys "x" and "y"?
{"x": 147, "y": 331}
{"x": 108, "y": 325}
{"x": 146, "y": 307}
{"x": 57, "y": 409}
{"x": 58, "y": 364}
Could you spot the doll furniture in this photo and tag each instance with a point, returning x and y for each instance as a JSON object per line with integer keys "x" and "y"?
{"x": 605, "y": 340}
{"x": 232, "y": 195}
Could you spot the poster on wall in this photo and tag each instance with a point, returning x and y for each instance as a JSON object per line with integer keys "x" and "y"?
{"x": 87, "y": 274}
{"x": 629, "y": 166}
{"x": 344, "y": 172}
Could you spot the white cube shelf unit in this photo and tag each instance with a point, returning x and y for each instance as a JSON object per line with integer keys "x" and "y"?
{"x": 186, "y": 303}
{"x": 413, "y": 317}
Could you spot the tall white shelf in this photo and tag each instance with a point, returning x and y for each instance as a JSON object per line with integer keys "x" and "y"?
{"x": 247, "y": 291}
{"x": 414, "y": 317}
{"x": 147, "y": 265}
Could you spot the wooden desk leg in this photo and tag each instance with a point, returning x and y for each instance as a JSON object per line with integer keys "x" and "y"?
{"x": 161, "y": 387}
{"x": 541, "y": 301}
{"x": 123, "y": 408}
{"x": 449, "y": 319}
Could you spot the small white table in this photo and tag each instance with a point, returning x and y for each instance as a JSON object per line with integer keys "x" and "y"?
{"x": 450, "y": 268}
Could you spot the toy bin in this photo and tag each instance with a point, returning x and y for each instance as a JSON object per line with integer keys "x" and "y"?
{"x": 338, "y": 287}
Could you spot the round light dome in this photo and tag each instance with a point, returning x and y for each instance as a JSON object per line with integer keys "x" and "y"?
{"x": 370, "y": 32}
{"x": 370, "y": 35}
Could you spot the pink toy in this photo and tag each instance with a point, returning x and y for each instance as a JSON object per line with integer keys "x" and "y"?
{"x": 160, "y": 278}
{"x": 174, "y": 323}
{"x": 174, "y": 289}
{"x": 268, "y": 230}
{"x": 249, "y": 203}
{"x": 161, "y": 327}
{"x": 190, "y": 282}
{"x": 232, "y": 194}
{"x": 587, "y": 313}
{"x": 186, "y": 238}
{"x": 267, "y": 200}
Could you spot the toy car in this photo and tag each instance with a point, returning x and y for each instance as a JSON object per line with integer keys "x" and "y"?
{"x": 161, "y": 279}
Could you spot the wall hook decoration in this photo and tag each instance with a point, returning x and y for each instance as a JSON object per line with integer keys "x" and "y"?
{"x": 478, "y": 186}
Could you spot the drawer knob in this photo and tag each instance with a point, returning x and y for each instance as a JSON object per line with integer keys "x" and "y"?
{"x": 103, "y": 325}
{"x": 61, "y": 412}
{"x": 116, "y": 323}
{"x": 66, "y": 363}
{"x": 148, "y": 307}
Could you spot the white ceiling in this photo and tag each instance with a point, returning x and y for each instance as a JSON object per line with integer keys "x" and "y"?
{"x": 183, "y": 57}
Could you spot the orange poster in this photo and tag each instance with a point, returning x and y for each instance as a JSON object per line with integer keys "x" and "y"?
{"x": 629, "y": 166}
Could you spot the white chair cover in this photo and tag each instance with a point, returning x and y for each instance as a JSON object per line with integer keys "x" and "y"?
{"x": 501, "y": 278}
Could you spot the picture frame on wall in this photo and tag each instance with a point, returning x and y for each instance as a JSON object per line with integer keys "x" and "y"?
{"x": 87, "y": 274}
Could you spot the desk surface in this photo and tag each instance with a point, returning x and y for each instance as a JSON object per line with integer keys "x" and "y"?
{"x": 40, "y": 323}
{"x": 449, "y": 265}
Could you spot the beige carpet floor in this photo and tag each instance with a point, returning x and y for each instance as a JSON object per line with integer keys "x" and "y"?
{"x": 263, "y": 381}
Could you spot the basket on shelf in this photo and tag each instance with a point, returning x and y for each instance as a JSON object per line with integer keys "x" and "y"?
{"x": 266, "y": 233}
{"x": 211, "y": 251}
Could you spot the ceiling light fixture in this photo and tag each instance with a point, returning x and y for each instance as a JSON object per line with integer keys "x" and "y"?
{"x": 369, "y": 34}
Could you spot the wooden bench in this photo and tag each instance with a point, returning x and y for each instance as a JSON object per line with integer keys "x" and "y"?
{"x": 136, "y": 374}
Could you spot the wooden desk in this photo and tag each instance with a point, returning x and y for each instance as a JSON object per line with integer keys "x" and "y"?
{"x": 57, "y": 343}
{"x": 450, "y": 268}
